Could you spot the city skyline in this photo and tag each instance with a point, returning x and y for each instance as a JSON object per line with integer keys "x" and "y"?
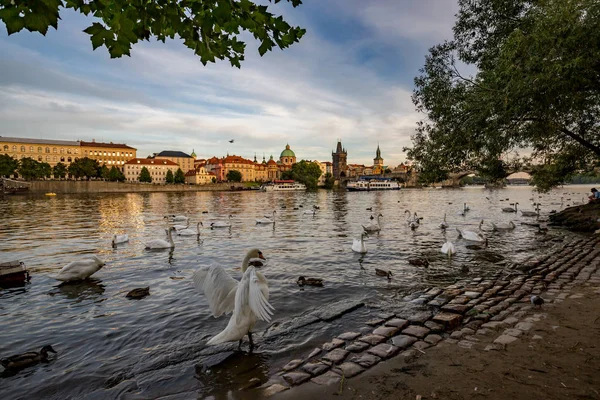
{"x": 350, "y": 77}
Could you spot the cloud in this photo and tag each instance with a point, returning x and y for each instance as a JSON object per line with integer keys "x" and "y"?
{"x": 163, "y": 98}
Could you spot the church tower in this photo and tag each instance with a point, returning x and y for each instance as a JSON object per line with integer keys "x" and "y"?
{"x": 378, "y": 162}
{"x": 340, "y": 162}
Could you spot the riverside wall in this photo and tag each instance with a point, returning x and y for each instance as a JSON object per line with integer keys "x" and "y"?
{"x": 74, "y": 187}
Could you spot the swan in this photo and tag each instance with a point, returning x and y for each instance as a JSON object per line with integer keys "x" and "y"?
{"x": 248, "y": 298}
{"x": 472, "y": 236}
{"x": 416, "y": 218}
{"x": 448, "y": 248}
{"x": 510, "y": 209}
{"x": 309, "y": 212}
{"x": 181, "y": 227}
{"x": 504, "y": 227}
{"x": 267, "y": 220}
{"x": 190, "y": 232}
{"x": 118, "y": 239}
{"x": 373, "y": 227}
{"x": 465, "y": 207}
{"x": 177, "y": 218}
{"x": 408, "y": 218}
{"x": 535, "y": 213}
{"x": 444, "y": 224}
{"x": 413, "y": 225}
{"x": 156, "y": 244}
{"x": 222, "y": 224}
{"x": 81, "y": 269}
{"x": 358, "y": 245}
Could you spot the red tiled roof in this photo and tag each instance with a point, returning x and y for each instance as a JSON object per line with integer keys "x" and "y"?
{"x": 214, "y": 160}
{"x": 150, "y": 161}
{"x": 107, "y": 145}
{"x": 271, "y": 162}
{"x": 237, "y": 160}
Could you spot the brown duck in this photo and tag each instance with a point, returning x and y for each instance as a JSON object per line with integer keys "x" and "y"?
{"x": 31, "y": 358}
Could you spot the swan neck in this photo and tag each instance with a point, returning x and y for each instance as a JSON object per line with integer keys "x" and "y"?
{"x": 170, "y": 237}
{"x": 245, "y": 262}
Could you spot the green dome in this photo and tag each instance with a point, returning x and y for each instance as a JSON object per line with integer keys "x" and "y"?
{"x": 193, "y": 154}
{"x": 287, "y": 152}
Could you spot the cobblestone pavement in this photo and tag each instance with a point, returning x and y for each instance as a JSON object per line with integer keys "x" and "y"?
{"x": 467, "y": 313}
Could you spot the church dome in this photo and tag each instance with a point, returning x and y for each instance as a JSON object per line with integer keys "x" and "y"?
{"x": 193, "y": 153}
{"x": 287, "y": 152}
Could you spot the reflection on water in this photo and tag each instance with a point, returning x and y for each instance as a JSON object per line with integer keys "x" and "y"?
{"x": 106, "y": 342}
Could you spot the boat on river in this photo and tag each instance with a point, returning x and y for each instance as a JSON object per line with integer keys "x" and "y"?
{"x": 364, "y": 185}
{"x": 13, "y": 273}
{"x": 282, "y": 186}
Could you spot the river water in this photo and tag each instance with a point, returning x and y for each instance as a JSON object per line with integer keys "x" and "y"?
{"x": 103, "y": 338}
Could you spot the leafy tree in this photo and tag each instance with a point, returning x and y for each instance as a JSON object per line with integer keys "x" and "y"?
{"x": 29, "y": 168}
{"x": 209, "y": 27}
{"x": 169, "y": 178}
{"x": 145, "y": 175}
{"x": 104, "y": 172}
{"x": 179, "y": 176}
{"x": 8, "y": 165}
{"x": 115, "y": 175}
{"x": 234, "y": 176}
{"x": 329, "y": 181}
{"x": 536, "y": 87}
{"x": 84, "y": 168}
{"x": 44, "y": 170}
{"x": 387, "y": 171}
{"x": 59, "y": 170}
{"x": 305, "y": 172}
{"x": 214, "y": 180}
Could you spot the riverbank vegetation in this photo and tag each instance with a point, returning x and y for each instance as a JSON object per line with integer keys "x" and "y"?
{"x": 305, "y": 172}
{"x": 533, "y": 89}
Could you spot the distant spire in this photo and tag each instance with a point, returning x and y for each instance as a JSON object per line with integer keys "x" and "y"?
{"x": 255, "y": 157}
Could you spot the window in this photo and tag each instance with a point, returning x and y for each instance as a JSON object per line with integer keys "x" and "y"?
{"x": 39, "y": 149}
{"x": 31, "y": 149}
{"x": 54, "y": 159}
{"x": 76, "y": 151}
{"x": 47, "y": 158}
{"x": 5, "y": 148}
{"x": 69, "y": 159}
{"x": 62, "y": 159}
{"x": 22, "y": 149}
{"x": 47, "y": 149}
{"x": 54, "y": 150}
{"x": 85, "y": 153}
{"x": 14, "y": 148}
{"x": 39, "y": 158}
{"x": 68, "y": 151}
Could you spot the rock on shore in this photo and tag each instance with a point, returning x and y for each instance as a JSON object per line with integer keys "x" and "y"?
{"x": 582, "y": 218}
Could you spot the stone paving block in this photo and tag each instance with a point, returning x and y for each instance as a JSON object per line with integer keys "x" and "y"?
{"x": 438, "y": 301}
{"x": 524, "y": 326}
{"x": 372, "y": 339}
{"x": 403, "y": 341}
{"x": 384, "y": 350}
{"x": 386, "y": 331}
{"x": 505, "y": 339}
{"x": 328, "y": 378}
{"x": 421, "y": 345}
{"x": 451, "y": 341}
{"x": 449, "y": 320}
{"x": 513, "y": 332}
{"x": 375, "y": 322}
{"x": 467, "y": 331}
{"x": 415, "y": 330}
{"x": 493, "y": 325}
{"x": 365, "y": 360}
{"x": 434, "y": 327}
{"x": 433, "y": 339}
{"x": 386, "y": 315}
{"x": 315, "y": 352}
{"x": 456, "y": 308}
{"x": 456, "y": 335}
{"x": 296, "y": 378}
{"x": 292, "y": 365}
{"x": 420, "y": 317}
{"x": 483, "y": 332}
{"x": 315, "y": 368}
{"x": 397, "y": 323}
{"x": 357, "y": 346}
{"x": 466, "y": 344}
{"x": 474, "y": 324}
{"x": 334, "y": 344}
{"x": 511, "y": 320}
{"x": 348, "y": 336}
{"x": 537, "y": 337}
{"x": 274, "y": 389}
{"x": 349, "y": 369}
{"x": 336, "y": 356}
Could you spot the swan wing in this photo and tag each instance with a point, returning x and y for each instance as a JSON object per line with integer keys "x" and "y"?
{"x": 253, "y": 292}
{"x": 218, "y": 287}
{"x": 78, "y": 270}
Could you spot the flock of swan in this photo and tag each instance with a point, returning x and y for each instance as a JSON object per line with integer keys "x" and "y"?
{"x": 248, "y": 299}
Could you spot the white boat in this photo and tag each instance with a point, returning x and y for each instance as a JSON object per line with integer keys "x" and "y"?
{"x": 372, "y": 184}
{"x": 282, "y": 186}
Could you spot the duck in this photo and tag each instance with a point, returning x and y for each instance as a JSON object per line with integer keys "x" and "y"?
{"x": 316, "y": 207}
{"x": 267, "y": 220}
{"x": 373, "y": 227}
{"x": 177, "y": 218}
{"x": 511, "y": 209}
{"x": 247, "y": 299}
{"x": 190, "y": 232}
{"x": 503, "y": 227}
{"x": 80, "y": 269}
{"x": 222, "y": 224}
{"x": 471, "y": 236}
{"x": 536, "y": 300}
{"x": 444, "y": 224}
{"x": 118, "y": 239}
{"x": 138, "y": 293}
{"x": 157, "y": 244}
{"x": 302, "y": 281}
{"x": 381, "y": 272}
{"x": 358, "y": 245}
{"x": 369, "y": 208}
{"x": 448, "y": 248}
{"x": 29, "y": 359}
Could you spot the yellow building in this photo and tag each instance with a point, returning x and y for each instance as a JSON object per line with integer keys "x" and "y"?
{"x": 185, "y": 161}
{"x": 42, "y": 150}
{"x": 199, "y": 175}
{"x": 109, "y": 154}
{"x": 245, "y": 166}
{"x": 157, "y": 168}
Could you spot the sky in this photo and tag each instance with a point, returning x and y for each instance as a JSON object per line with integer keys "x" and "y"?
{"x": 350, "y": 78}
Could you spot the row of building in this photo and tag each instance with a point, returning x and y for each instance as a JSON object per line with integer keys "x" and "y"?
{"x": 197, "y": 171}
